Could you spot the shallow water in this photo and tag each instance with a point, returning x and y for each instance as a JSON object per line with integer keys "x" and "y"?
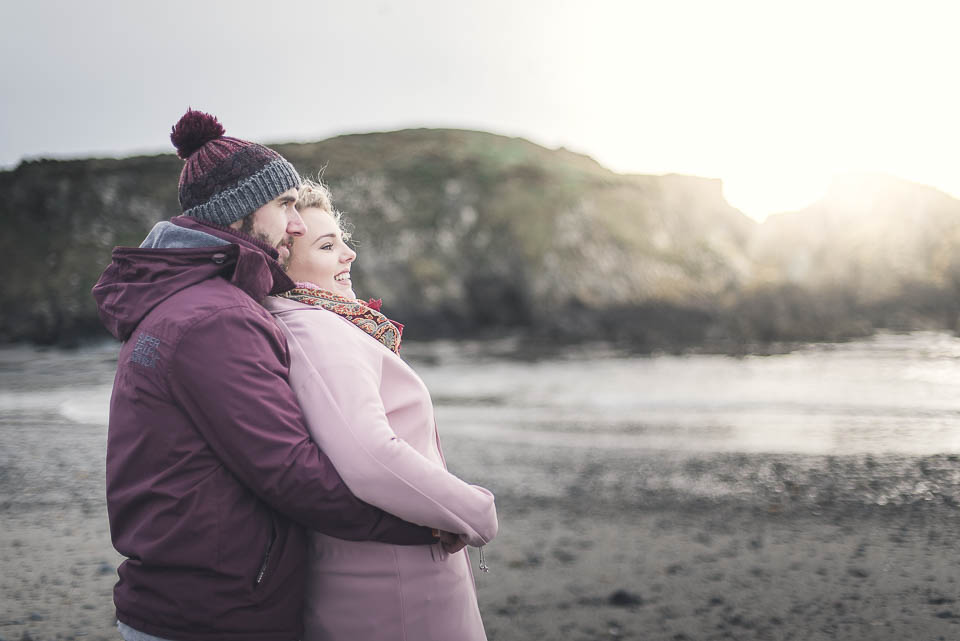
{"x": 890, "y": 394}
{"x": 893, "y": 393}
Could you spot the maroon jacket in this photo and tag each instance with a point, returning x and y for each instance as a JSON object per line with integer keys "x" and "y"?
{"x": 211, "y": 474}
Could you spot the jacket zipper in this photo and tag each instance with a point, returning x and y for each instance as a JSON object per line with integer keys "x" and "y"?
{"x": 266, "y": 557}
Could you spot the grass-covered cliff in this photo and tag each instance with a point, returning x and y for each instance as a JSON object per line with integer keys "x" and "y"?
{"x": 467, "y": 233}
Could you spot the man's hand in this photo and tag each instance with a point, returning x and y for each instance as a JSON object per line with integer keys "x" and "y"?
{"x": 451, "y": 543}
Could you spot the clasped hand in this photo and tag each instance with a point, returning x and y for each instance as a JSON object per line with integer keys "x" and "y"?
{"x": 451, "y": 542}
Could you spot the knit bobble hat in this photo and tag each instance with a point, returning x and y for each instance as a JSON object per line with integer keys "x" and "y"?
{"x": 225, "y": 179}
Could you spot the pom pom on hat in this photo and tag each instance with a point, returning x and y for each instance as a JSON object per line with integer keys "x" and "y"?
{"x": 225, "y": 179}
{"x": 193, "y": 131}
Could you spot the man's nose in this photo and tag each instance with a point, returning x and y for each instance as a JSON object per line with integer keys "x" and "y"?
{"x": 295, "y": 224}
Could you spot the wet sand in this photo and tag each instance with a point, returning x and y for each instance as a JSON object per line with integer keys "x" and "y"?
{"x": 594, "y": 544}
{"x": 728, "y": 547}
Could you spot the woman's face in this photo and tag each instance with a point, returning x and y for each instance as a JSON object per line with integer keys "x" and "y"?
{"x": 320, "y": 256}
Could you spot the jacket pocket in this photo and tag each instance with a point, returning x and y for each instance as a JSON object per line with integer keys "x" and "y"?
{"x": 265, "y": 562}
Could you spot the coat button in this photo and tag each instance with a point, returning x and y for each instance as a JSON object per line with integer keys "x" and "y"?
{"x": 219, "y": 258}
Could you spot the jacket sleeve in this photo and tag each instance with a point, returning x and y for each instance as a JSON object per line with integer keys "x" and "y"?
{"x": 335, "y": 373}
{"x": 230, "y": 375}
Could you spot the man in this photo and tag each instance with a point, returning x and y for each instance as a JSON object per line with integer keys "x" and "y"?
{"x": 211, "y": 475}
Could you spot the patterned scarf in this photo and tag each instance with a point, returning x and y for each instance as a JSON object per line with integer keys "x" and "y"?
{"x": 366, "y": 316}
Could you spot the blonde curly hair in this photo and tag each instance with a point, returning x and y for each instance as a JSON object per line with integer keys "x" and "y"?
{"x": 314, "y": 193}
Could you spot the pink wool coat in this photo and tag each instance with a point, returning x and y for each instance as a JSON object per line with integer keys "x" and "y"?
{"x": 372, "y": 415}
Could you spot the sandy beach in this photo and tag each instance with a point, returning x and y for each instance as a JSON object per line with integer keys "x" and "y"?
{"x": 595, "y": 542}
{"x": 609, "y": 557}
{"x": 796, "y": 550}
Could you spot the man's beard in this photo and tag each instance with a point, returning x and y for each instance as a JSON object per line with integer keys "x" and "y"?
{"x": 288, "y": 242}
{"x": 247, "y": 228}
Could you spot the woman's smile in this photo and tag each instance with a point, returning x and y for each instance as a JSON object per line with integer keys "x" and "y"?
{"x": 321, "y": 256}
{"x": 343, "y": 279}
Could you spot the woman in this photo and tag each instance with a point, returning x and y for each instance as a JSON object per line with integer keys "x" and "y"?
{"x": 372, "y": 415}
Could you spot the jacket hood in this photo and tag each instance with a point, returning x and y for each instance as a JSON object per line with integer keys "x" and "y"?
{"x": 176, "y": 255}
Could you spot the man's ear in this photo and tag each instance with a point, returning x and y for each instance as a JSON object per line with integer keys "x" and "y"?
{"x": 238, "y": 224}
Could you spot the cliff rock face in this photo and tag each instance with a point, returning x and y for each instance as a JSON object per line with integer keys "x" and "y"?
{"x": 60, "y": 221}
{"x": 465, "y": 233}
{"x": 457, "y": 231}
{"x": 472, "y": 230}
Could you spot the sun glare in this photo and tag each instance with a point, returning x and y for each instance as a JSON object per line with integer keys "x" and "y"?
{"x": 774, "y": 101}
{"x": 761, "y": 194}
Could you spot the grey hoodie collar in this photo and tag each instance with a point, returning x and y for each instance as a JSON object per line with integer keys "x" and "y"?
{"x": 166, "y": 235}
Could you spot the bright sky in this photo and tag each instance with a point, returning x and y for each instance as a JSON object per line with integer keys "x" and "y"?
{"x": 773, "y": 97}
